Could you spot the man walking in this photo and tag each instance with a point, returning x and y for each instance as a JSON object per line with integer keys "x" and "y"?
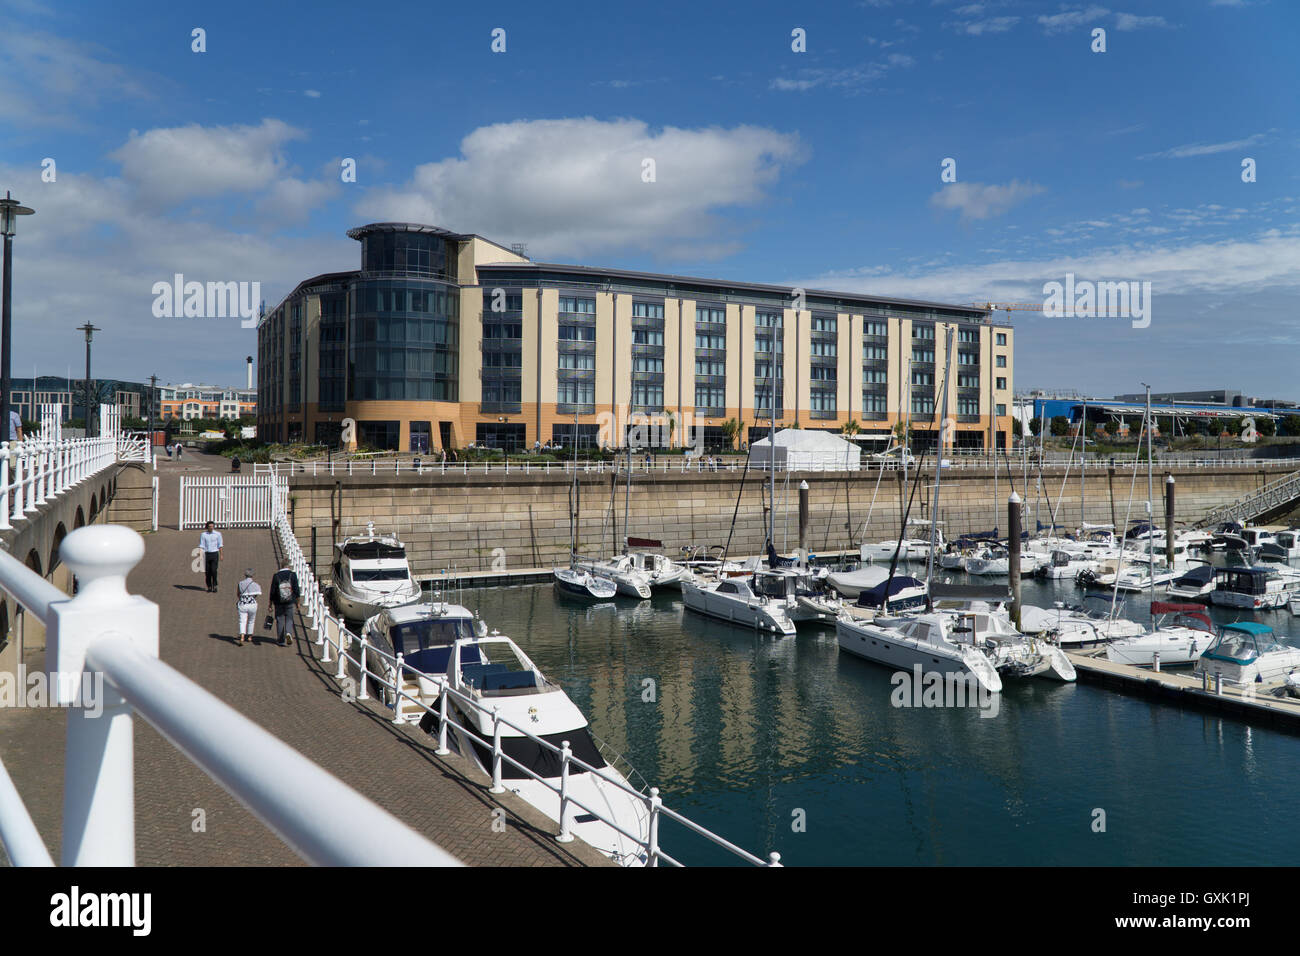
{"x": 211, "y": 543}
{"x": 284, "y": 598}
{"x": 15, "y": 426}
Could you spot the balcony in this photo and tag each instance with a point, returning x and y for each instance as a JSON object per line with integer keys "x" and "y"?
{"x": 569, "y": 408}
{"x": 969, "y": 419}
{"x": 823, "y": 415}
{"x": 500, "y": 408}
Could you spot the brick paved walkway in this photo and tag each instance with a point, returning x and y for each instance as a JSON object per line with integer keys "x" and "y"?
{"x": 287, "y": 691}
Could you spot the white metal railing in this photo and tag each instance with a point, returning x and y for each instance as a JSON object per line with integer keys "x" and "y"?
{"x": 680, "y": 464}
{"x": 107, "y": 633}
{"x": 316, "y": 610}
{"x": 231, "y": 501}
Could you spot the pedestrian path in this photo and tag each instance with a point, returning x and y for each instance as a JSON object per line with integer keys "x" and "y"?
{"x": 182, "y": 816}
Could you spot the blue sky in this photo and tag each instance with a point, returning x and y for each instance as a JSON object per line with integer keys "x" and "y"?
{"x": 819, "y": 168}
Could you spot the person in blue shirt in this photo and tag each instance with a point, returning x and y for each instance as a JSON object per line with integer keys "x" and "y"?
{"x": 15, "y": 426}
{"x": 211, "y": 543}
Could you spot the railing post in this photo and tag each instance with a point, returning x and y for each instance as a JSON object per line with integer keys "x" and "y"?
{"x": 344, "y": 643}
{"x": 17, "y": 481}
{"x": 4, "y": 487}
{"x": 99, "y": 778}
{"x": 565, "y": 836}
{"x": 362, "y": 668}
{"x": 652, "y": 843}
{"x": 443, "y": 693}
{"x": 774, "y": 859}
{"x": 397, "y": 689}
{"x": 496, "y": 753}
{"x": 321, "y": 639}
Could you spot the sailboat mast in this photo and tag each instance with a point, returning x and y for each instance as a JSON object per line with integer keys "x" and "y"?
{"x": 627, "y": 498}
{"x": 938, "y": 463}
{"x": 771, "y": 486}
{"x": 1151, "y": 512}
{"x": 1083, "y": 465}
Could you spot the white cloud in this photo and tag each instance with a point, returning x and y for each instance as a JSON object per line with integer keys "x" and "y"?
{"x": 854, "y": 79}
{"x": 169, "y": 165}
{"x": 314, "y": 94}
{"x": 980, "y": 201}
{"x": 1067, "y": 20}
{"x": 1206, "y": 149}
{"x": 977, "y": 28}
{"x": 573, "y": 186}
{"x": 1130, "y": 21}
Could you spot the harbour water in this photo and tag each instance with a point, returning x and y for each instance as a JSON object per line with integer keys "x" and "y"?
{"x": 789, "y": 745}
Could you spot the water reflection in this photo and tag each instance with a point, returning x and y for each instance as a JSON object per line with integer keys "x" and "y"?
{"x": 740, "y": 731}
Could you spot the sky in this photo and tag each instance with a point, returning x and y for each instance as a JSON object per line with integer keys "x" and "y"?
{"x": 820, "y": 167}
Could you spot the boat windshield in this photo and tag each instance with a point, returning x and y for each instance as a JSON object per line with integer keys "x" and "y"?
{"x": 497, "y": 670}
{"x": 771, "y": 585}
{"x": 415, "y": 636}
{"x": 540, "y": 759}
{"x": 373, "y": 551}
{"x": 369, "y": 575}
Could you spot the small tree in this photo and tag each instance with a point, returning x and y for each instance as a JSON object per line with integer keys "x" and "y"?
{"x": 1060, "y": 425}
{"x": 732, "y": 428}
{"x": 1291, "y": 425}
{"x": 850, "y": 428}
{"x": 1266, "y": 427}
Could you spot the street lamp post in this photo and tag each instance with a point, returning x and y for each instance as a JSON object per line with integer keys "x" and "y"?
{"x": 10, "y": 210}
{"x": 90, "y": 330}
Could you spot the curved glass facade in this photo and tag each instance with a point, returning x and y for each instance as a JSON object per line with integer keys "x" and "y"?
{"x": 412, "y": 253}
{"x": 405, "y": 341}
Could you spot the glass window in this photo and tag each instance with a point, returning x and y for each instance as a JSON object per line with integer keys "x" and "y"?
{"x": 824, "y": 323}
{"x": 922, "y": 378}
{"x": 922, "y": 405}
{"x": 922, "y": 355}
{"x": 644, "y": 363}
{"x": 874, "y": 376}
{"x": 1002, "y": 338}
{"x": 576, "y": 333}
{"x": 648, "y": 310}
{"x": 767, "y": 320}
{"x": 875, "y": 328}
{"x": 1002, "y": 361}
{"x": 706, "y": 341}
{"x": 710, "y": 367}
{"x": 874, "y": 353}
{"x": 647, "y": 337}
{"x": 822, "y": 348}
{"x": 968, "y": 406}
{"x": 1002, "y": 409}
{"x": 1001, "y": 383}
{"x": 923, "y": 331}
{"x": 577, "y": 360}
{"x": 873, "y": 402}
{"x": 821, "y": 373}
{"x": 968, "y": 380}
{"x": 710, "y": 314}
{"x": 577, "y": 305}
{"x": 821, "y": 401}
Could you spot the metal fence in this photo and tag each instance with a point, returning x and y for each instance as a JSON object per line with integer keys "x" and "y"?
{"x": 676, "y": 464}
{"x": 333, "y": 635}
{"x": 229, "y": 501}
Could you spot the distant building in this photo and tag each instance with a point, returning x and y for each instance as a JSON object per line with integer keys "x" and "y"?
{"x": 27, "y": 395}
{"x": 1214, "y": 396}
{"x": 189, "y": 401}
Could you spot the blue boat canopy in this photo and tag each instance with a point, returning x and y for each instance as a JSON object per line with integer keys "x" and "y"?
{"x": 875, "y": 597}
{"x": 1248, "y": 627}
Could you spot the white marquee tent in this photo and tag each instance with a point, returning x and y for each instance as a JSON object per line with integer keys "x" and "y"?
{"x": 802, "y": 450}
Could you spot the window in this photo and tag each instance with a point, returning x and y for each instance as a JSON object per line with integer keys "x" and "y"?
{"x": 1001, "y": 383}
{"x": 875, "y": 328}
{"x": 577, "y": 304}
{"x": 968, "y": 335}
{"x": 821, "y": 401}
{"x": 922, "y": 405}
{"x": 647, "y": 337}
{"x": 762, "y": 343}
{"x": 822, "y": 348}
{"x": 648, "y": 394}
{"x": 764, "y": 370}
{"x": 1002, "y": 338}
{"x": 874, "y": 376}
{"x": 824, "y": 323}
{"x": 1002, "y": 409}
{"x": 767, "y": 320}
{"x": 647, "y": 310}
{"x": 577, "y": 360}
{"x": 821, "y": 373}
{"x": 923, "y": 355}
{"x": 576, "y": 393}
{"x": 705, "y": 341}
{"x": 577, "y": 333}
{"x": 502, "y": 360}
{"x": 644, "y": 363}
{"x": 873, "y": 402}
{"x": 874, "y": 353}
{"x": 968, "y": 406}
{"x": 923, "y": 332}
{"x": 710, "y": 367}
{"x": 968, "y": 380}
{"x": 718, "y": 316}
{"x": 1002, "y": 361}
{"x": 498, "y": 330}
{"x": 710, "y": 396}
{"x": 968, "y": 358}
{"x": 922, "y": 378}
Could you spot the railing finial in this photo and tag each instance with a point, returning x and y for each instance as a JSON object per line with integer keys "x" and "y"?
{"x": 101, "y": 556}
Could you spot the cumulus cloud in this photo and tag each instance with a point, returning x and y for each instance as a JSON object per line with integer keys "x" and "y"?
{"x": 573, "y": 186}
{"x": 184, "y": 162}
{"x": 983, "y": 201}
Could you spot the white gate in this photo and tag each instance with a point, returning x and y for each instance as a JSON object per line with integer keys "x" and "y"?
{"x": 230, "y": 501}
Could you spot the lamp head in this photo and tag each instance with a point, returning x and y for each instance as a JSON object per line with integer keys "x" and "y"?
{"x": 10, "y": 210}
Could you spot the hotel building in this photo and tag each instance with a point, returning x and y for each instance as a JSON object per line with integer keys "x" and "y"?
{"x": 189, "y": 401}
{"x": 441, "y": 339}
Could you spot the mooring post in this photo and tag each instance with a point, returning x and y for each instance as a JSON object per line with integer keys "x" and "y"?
{"x": 1013, "y": 555}
{"x": 1169, "y": 521}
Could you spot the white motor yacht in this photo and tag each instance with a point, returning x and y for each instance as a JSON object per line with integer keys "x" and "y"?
{"x": 1285, "y": 546}
{"x": 1254, "y": 588}
{"x": 1013, "y": 654}
{"x": 1195, "y": 584}
{"x": 925, "y": 639}
{"x": 370, "y": 573}
{"x": 734, "y": 600}
{"x": 1247, "y": 653}
{"x": 996, "y": 562}
{"x": 499, "y": 678}
{"x": 659, "y": 570}
{"x": 852, "y": 583}
{"x": 1181, "y": 633}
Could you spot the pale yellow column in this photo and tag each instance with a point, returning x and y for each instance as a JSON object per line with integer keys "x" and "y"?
{"x": 855, "y": 383}
{"x": 803, "y": 392}
{"x": 605, "y": 357}
{"x": 745, "y": 386}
